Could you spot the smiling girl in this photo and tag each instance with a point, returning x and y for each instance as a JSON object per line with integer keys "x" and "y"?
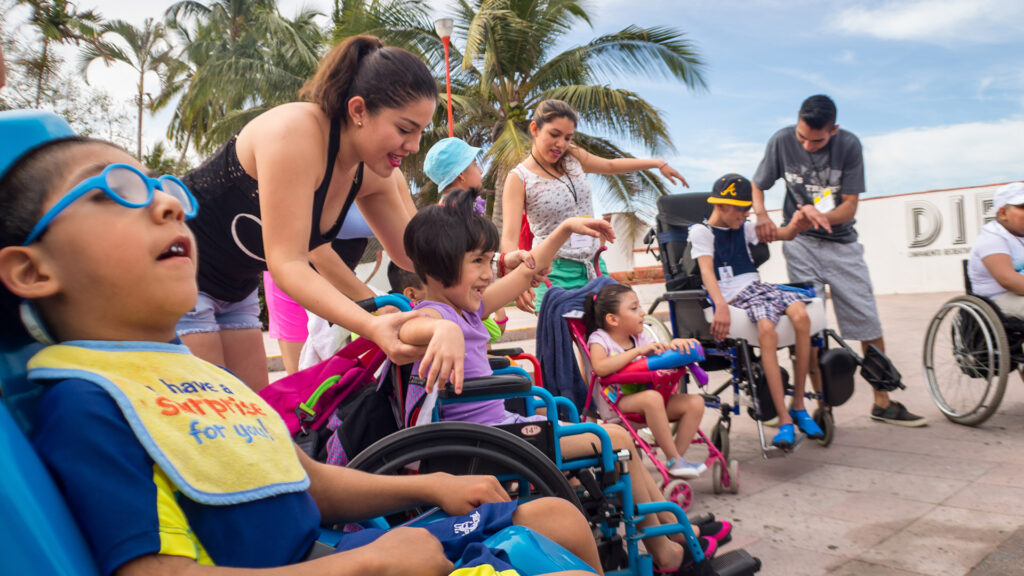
{"x": 274, "y": 196}
{"x": 551, "y": 185}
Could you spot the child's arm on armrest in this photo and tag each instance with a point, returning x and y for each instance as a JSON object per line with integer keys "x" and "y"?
{"x": 1000, "y": 266}
{"x": 720, "y": 324}
{"x": 604, "y": 364}
{"x": 515, "y": 282}
{"x": 446, "y": 352}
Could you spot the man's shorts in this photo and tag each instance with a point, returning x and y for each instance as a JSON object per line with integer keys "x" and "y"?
{"x": 762, "y": 301}
{"x": 457, "y": 534}
{"x": 287, "y": 319}
{"x": 842, "y": 267}
{"x": 213, "y": 315}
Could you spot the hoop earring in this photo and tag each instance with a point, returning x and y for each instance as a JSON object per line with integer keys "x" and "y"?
{"x": 34, "y": 323}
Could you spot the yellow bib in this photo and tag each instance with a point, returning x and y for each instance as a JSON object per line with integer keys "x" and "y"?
{"x": 216, "y": 439}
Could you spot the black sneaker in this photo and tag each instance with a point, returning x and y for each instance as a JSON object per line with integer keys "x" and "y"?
{"x": 896, "y": 413}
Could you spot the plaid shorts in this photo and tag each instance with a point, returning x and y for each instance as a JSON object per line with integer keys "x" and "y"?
{"x": 766, "y": 301}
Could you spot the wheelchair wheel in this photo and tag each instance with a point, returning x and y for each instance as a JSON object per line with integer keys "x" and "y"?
{"x": 716, "y": 477}
{"x": 466, "y": 448}
{"x": 966, "y": 360}
{"x": 678, "y": 491}
{"x": 824, "y": 419}
{"x": 720, "y": 438}
{"x": 734, "y": 476}
{"x": 656, "y": 329}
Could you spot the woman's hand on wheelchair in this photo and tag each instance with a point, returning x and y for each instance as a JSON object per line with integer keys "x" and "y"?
{"x": 720, "y": 323}
{"x": 525, "y": 301}
{"x": 459, "y": 495}
{"x": 445, "y": 357}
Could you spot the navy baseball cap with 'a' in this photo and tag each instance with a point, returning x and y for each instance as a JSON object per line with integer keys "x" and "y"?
{"x": 732, "y": 189}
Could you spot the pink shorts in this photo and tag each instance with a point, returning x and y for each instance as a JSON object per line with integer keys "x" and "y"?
{"x": 287, "y": 319}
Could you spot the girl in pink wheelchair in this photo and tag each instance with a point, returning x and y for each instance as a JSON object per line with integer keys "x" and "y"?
{"x": 614, "y": 322}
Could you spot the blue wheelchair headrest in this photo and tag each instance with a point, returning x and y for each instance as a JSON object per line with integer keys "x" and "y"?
{"x": 22, "y": 131}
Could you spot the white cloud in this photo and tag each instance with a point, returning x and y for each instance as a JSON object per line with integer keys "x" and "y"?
{"x": 917, "y": 159}
{"x": 935, "y": 21}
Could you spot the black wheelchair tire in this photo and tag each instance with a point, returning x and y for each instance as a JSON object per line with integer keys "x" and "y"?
{"x": 475, "y": 446}
{"x": 992, "y": 363}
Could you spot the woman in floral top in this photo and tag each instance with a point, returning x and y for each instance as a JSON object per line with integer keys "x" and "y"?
{"x": 552, "y": 185}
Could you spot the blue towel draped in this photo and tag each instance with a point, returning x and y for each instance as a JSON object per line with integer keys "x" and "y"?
{"x": 554, "y": 344}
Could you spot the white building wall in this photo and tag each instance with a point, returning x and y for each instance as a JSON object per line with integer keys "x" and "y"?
{"x": 913, "y": 243}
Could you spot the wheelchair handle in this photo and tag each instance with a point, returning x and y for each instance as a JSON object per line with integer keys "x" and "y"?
{"x": 397, "y": 300}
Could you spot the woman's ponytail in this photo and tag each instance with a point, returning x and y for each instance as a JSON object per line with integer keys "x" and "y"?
{"x": 385, "y": 77}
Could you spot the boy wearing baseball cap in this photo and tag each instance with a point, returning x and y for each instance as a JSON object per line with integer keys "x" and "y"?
{"x": 996, "y": 263}
{"x": 720, "y": 247}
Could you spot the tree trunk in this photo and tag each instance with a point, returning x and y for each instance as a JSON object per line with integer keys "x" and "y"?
{"x": 496, "y": 214}
{"x": 138, "y": 146}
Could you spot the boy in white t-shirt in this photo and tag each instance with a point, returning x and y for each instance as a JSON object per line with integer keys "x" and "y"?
{"x": 720, "y": 247}
{"x": 996, "y": 264}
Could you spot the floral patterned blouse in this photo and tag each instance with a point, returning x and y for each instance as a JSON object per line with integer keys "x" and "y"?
{"x": 550, "y": 201}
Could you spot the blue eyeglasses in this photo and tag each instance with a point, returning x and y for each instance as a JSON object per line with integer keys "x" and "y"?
{"x": 124, "y": 184}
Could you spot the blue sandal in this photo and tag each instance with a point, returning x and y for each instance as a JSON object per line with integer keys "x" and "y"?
{"x": 807, "y": 424}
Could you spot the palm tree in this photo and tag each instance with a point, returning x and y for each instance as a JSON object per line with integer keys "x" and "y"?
{"x": 240, "y": 57}
{"x": 147, "y": 51}
{"x": 509, "y": 65}
{"x": 61, "y": 22}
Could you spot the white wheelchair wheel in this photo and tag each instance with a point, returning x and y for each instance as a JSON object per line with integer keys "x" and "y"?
{"x": 966, "y": 360}
{"x": 656, "y": 329}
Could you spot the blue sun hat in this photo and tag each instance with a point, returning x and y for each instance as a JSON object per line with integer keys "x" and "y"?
{"x": 22, "y": 131}
{"x": 447, "y": 159}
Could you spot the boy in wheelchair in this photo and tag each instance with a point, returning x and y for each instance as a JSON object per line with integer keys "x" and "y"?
{"x": 996, "y": 263}
{"x": 451, "y": 247}
{"x": 170, "y": 464}
{"x": 730, "y": 277}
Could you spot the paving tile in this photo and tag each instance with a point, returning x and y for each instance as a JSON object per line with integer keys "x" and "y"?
{"x": 783, "y": 560}
{"x": 874, "y": 509}
{"x": 862, "y": 568}
{"x": 781, "y": 525}
{"x": 920, "y": 488}
{"x": 989, "y": 497}
{"x": 943, "y": 467}
{"x": 946, "y": 541}
{"x": 1005, "y": 474}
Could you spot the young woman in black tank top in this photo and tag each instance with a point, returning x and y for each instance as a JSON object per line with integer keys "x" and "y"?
{"x": 280, "y": 189}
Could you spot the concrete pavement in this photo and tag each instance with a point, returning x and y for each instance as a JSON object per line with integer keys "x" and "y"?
{"x": 943, "y": 500}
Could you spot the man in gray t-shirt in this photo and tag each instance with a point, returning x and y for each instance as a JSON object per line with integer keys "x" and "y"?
{"x": 823, "y": 167}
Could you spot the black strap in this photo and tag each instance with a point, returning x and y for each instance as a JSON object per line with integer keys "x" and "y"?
{"x": 320, "y": 196}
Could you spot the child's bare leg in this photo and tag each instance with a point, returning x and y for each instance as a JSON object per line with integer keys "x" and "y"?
{"x": 666, "y": 554}
{"x": 688, "y": 409}
{"x": 560, "y": 521}
{"x": 769, "y": 340}
{"x": 651, "y": 404}
{"x": 797, "y": 313}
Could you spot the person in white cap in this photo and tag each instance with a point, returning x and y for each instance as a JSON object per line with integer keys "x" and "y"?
{"x": 996, "y": 264}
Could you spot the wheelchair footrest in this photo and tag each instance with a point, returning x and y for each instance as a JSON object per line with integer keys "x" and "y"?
{"x": 735, "y": 563}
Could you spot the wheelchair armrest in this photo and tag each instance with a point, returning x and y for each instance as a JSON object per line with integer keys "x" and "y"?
{"x": 505, "y": 351}
{"x": 499, "y": 362}
{"x": 487, "y": 385}
{"x": 695, "y": 294}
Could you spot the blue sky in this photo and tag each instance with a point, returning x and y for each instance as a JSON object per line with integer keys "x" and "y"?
{"x": 934, "y": 88}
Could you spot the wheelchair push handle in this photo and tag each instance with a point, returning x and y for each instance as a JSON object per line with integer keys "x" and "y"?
{"x": 371, "y": 305}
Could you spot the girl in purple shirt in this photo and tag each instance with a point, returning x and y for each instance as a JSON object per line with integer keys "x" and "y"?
{"x": 451, "y": 248}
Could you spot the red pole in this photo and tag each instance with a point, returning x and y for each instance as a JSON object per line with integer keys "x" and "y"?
{"x": 448, "y": 84}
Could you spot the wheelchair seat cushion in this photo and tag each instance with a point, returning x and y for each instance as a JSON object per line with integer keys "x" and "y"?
{"x": 742, "y": 327}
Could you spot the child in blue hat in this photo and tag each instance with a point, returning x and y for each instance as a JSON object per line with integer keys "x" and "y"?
{"x": 452, "y": 164}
